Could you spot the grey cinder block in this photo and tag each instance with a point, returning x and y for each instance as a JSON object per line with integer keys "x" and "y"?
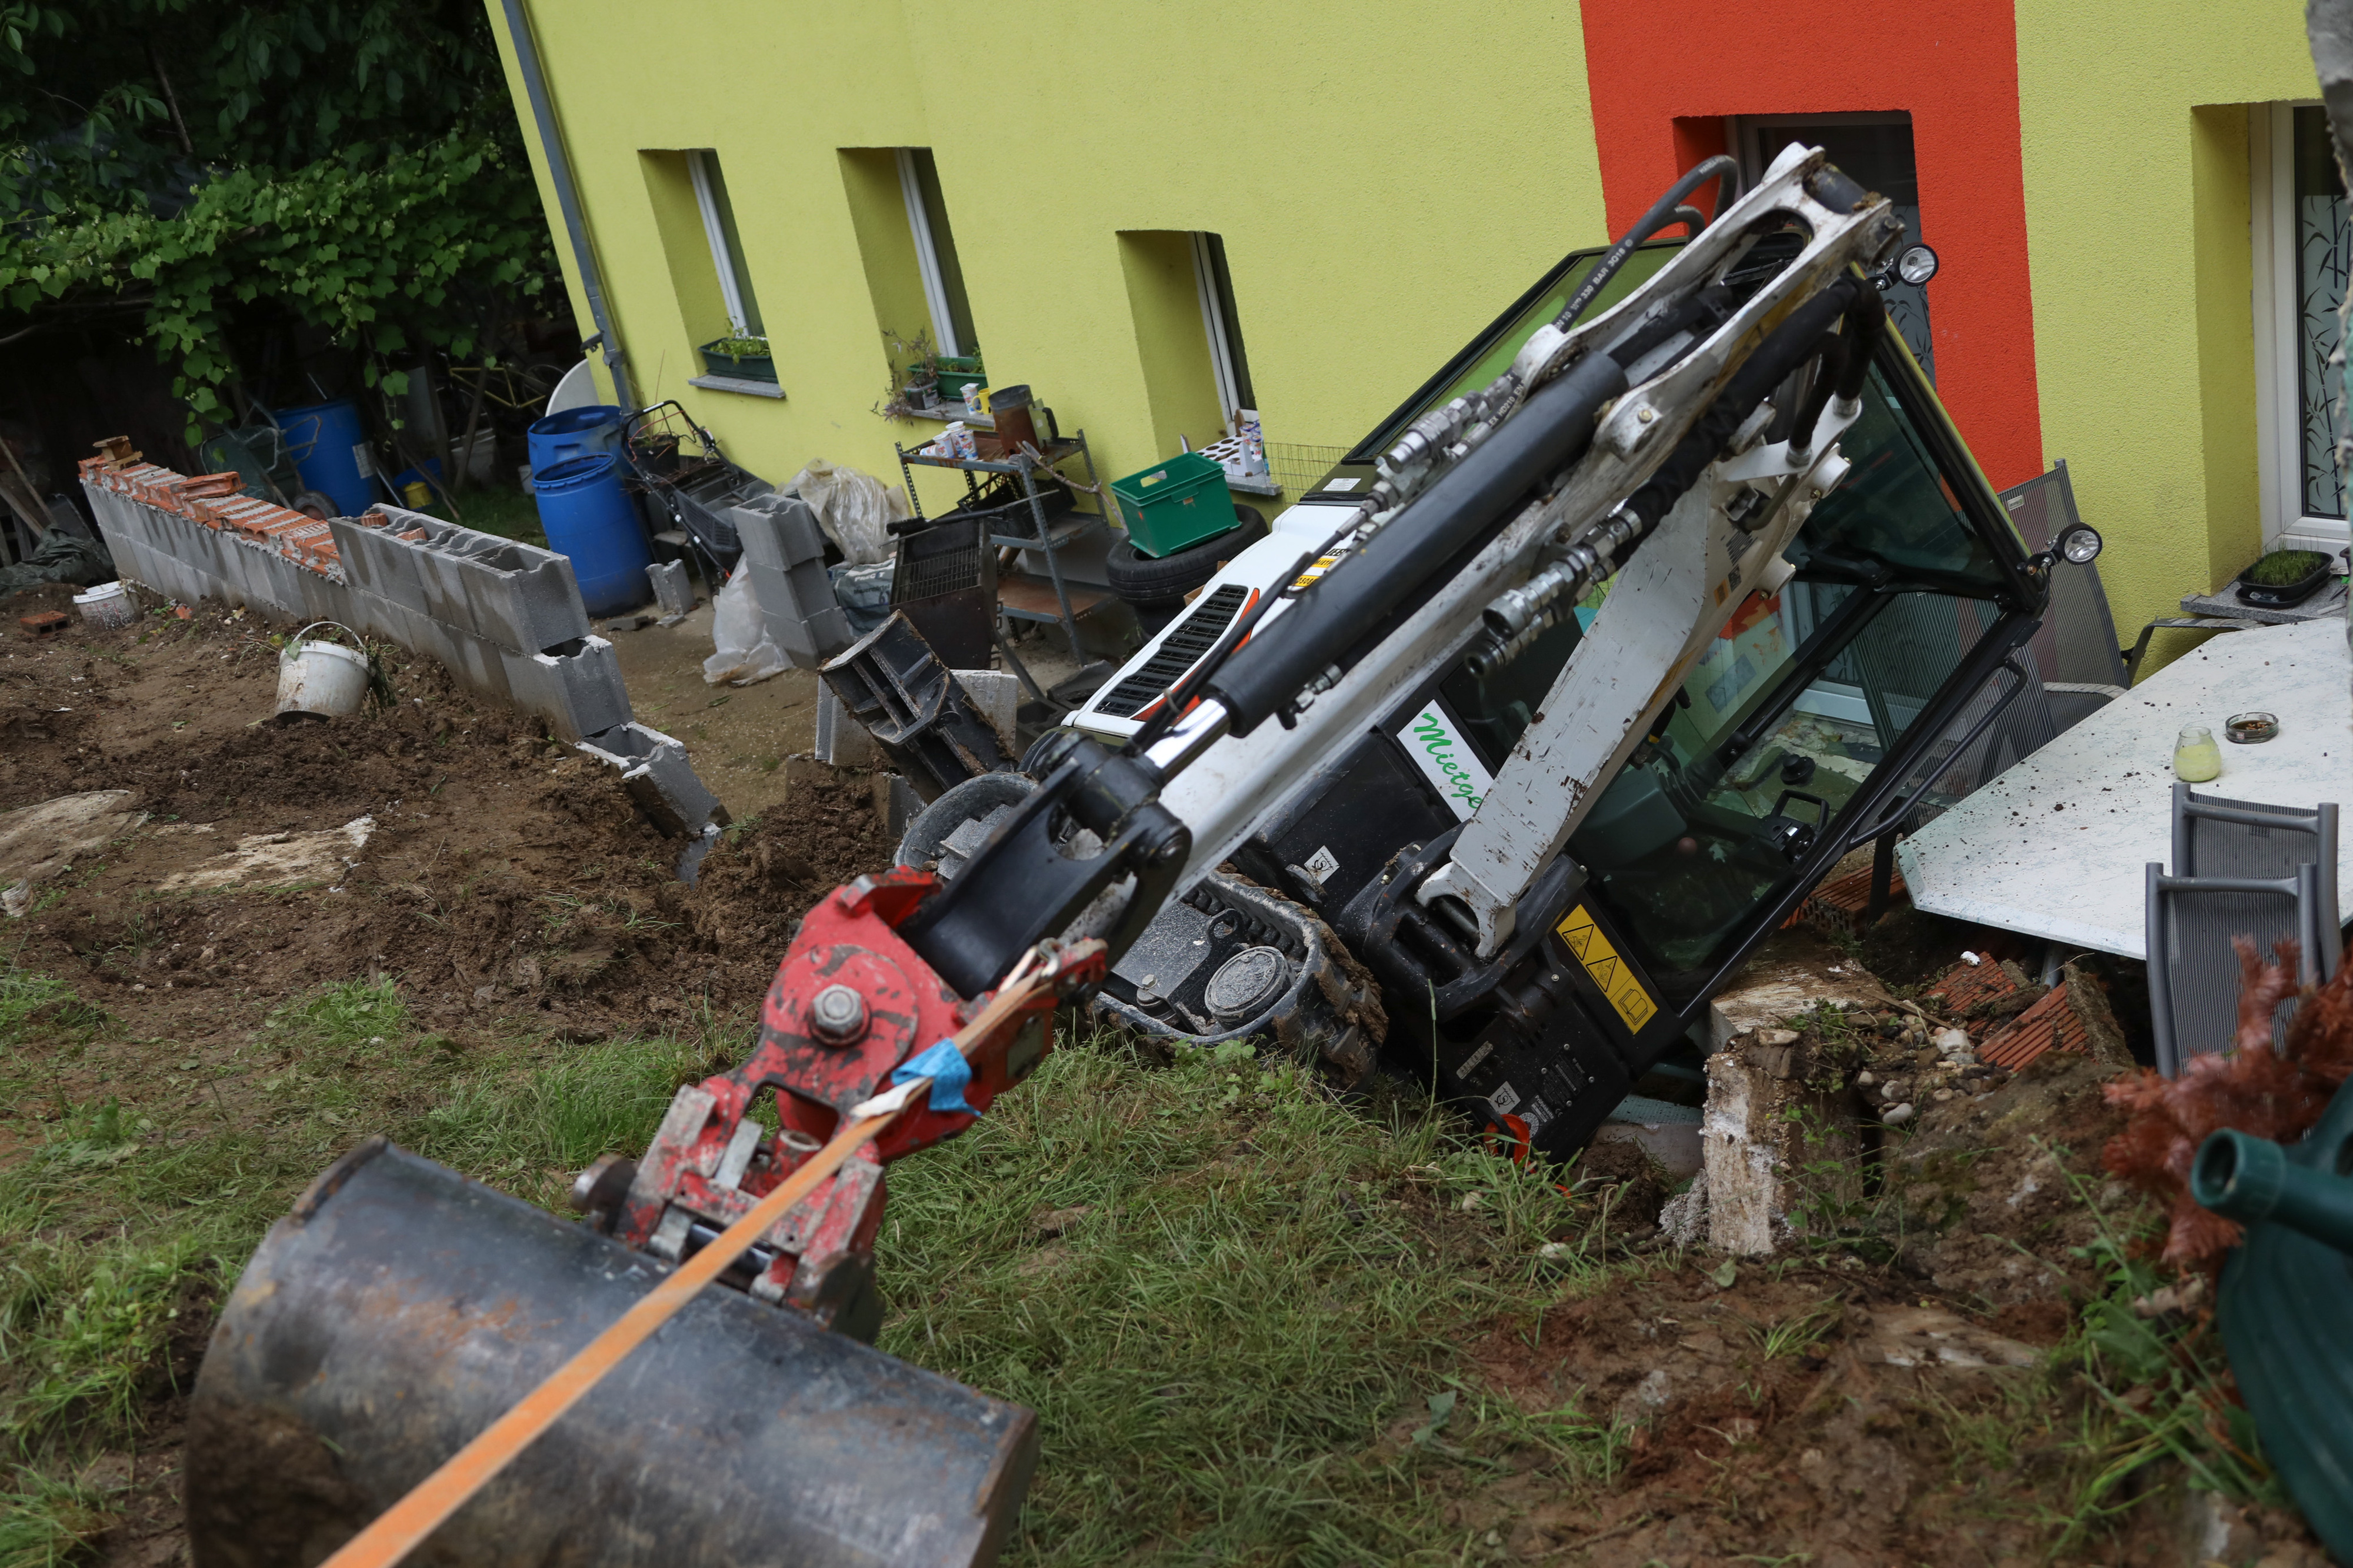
{"x": 998, "y": 694}
{"x": 841, "y": 740}
{"x": 672, "y": 592}
{"x": 575, "y": 686}
{"x": 798, "y": 607}
{"x": 778, "y": 531}
{"x": 515, "y": 594}
{"x": 659, "y": 779}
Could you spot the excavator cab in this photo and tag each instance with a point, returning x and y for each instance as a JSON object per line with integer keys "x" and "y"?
{"x": 1873, "y": 681}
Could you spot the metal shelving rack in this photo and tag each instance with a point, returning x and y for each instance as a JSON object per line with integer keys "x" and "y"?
{"x": 1020, "y": 597}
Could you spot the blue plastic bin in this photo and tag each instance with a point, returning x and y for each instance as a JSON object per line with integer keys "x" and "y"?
{"x": 328, "y": 442}
{"x": 574, "y": 433}
{"x": 588, "y": 518}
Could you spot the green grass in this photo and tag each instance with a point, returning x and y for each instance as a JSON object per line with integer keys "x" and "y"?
{"x": 24, "y": 993}
{"x": 122, "y": 1214}
{"x": 2283, "y": 566}
{"x": 501, "y": 509}
{"x": 1261, "y": 1281}
{"x": 2160, "y": 1396}
{"x": 45, "y": 1522}
{"x": 1246, "y": 1349}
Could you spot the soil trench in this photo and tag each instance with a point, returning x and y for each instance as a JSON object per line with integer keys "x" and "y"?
{"x": 501, "y": 872}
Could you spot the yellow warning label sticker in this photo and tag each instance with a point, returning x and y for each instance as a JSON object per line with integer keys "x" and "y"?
{"x": 1613, "y": 973}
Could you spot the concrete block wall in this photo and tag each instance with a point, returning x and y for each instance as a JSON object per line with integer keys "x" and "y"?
{"x": 504, "y": 618}
{"x": 784, "y": 556}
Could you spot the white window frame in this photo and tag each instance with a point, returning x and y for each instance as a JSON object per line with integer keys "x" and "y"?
{"x": 927, "y": 254}
{"x": 714, "y": 229}
{"x": 1213, "y": 323}
{"x": 2279, "y": 431}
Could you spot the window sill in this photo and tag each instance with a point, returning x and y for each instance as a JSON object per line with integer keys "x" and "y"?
{"x": 948, "y": 413}
{"x": 736, "y": 384}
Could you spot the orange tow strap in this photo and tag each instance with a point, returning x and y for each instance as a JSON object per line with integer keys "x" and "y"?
{"x": 401, "y": 1528}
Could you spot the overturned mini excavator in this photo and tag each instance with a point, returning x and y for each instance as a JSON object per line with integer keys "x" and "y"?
{"x": 1718, "y": 446}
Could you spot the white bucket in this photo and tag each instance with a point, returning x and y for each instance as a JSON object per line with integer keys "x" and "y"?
{"x": 108, "y": 604}
{"x": 322, "y": 677}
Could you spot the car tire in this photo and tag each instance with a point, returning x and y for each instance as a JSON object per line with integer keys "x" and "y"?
{"x": 1141, "y": 580}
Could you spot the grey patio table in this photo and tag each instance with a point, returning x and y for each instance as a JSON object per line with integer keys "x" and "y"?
{"x": 2055, "y": 846}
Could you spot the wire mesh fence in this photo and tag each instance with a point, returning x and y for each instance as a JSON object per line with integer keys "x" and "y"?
{"x": 1296, "y": 466}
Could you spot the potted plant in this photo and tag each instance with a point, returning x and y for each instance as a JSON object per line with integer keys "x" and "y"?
{"x": 739, "y": 354}
{"x": 2281, "y": 578}
{"x": 914, "y": 374}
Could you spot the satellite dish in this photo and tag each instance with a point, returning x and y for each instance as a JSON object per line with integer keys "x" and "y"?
{"x": 577, "y": 390}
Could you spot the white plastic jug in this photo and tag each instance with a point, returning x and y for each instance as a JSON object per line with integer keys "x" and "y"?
{"x": 322, "y": 677}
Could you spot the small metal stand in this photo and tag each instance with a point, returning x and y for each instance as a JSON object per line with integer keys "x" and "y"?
{"x": 1024, "y": 525}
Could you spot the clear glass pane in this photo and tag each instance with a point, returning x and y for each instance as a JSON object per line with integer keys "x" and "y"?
{"x": 1797, "y": 703}
{"x": 2321, "y": 245}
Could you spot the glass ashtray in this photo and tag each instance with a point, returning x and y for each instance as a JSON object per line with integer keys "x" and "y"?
{"x": 2251, "y": 729}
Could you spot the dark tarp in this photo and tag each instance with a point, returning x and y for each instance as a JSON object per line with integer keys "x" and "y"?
{"x": 61, "y": 558}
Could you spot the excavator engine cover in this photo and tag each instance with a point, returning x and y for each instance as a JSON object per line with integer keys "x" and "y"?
{"x": 401, "y": 1309}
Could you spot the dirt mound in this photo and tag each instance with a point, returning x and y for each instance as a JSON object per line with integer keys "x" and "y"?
{"x": 501, "y": 875}
{"x": 1904, "y": 1380}
{"x": 760, "y": 880}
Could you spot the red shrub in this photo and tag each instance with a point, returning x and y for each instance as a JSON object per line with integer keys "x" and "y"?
{"x": 2249, "y": 1087}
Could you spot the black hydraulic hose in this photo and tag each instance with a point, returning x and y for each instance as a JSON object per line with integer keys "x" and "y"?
{"x": 1663, "y": 214}
{"x": 1551, "y": 432}
{"x": 1181, "y": 696}
{"x": 1606, "y": 547}
{"x": 1796, "y": 340}
{"x": 1846, "y": 360}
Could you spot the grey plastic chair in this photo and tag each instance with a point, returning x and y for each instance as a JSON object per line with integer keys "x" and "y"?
{"x": 2076, "y": 644}
{"x": 2193, "y": 970}
{"x": 2214, "y": 836}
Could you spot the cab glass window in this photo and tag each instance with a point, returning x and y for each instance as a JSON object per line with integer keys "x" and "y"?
{"x": 1798, "y": 702}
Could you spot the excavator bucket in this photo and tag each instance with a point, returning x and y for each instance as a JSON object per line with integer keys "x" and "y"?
{"x": 401, "y": 1307}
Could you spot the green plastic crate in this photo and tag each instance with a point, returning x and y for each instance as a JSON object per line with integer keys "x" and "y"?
{"x": 1174, "y": 505}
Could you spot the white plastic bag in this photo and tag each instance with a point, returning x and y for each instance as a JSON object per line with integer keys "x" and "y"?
{"x": 745, "y": 652}
{"x": 856, "y": 509}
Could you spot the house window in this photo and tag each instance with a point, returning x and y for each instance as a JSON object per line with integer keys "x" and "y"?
{"x": 726, "y": 245}
{"x": 1228, "y": 362}
{"x": 936, "y": 254}
{"x": 1188, "y": 337}
{"x": 2303, "y": 238}
{"x": 1875, "y": 152}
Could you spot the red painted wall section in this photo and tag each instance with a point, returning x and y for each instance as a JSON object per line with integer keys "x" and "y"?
{"x": 1664, "y": 77}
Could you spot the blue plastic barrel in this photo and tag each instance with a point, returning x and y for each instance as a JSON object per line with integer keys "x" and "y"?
{"x": 328, "y": 443}
{"x": 588, "y": 518}
{"x": 574, "y": 433}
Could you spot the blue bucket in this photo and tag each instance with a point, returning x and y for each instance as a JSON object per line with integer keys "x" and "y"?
{"x": 574, "y": 433}
{"x": 588, "y": 518}
{"x": 328, "y": 441}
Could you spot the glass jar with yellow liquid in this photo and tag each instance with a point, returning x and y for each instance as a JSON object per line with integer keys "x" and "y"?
{"x": 2196, "y": 757}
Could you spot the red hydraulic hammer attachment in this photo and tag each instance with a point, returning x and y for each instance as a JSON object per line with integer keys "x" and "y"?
{"x": 403, "y": 1315}
{"x": 851, "y": 1006}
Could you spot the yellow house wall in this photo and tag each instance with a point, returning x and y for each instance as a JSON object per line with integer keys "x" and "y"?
{"x": 2133, "y": 143}
{"x": 1385, "y": 182}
